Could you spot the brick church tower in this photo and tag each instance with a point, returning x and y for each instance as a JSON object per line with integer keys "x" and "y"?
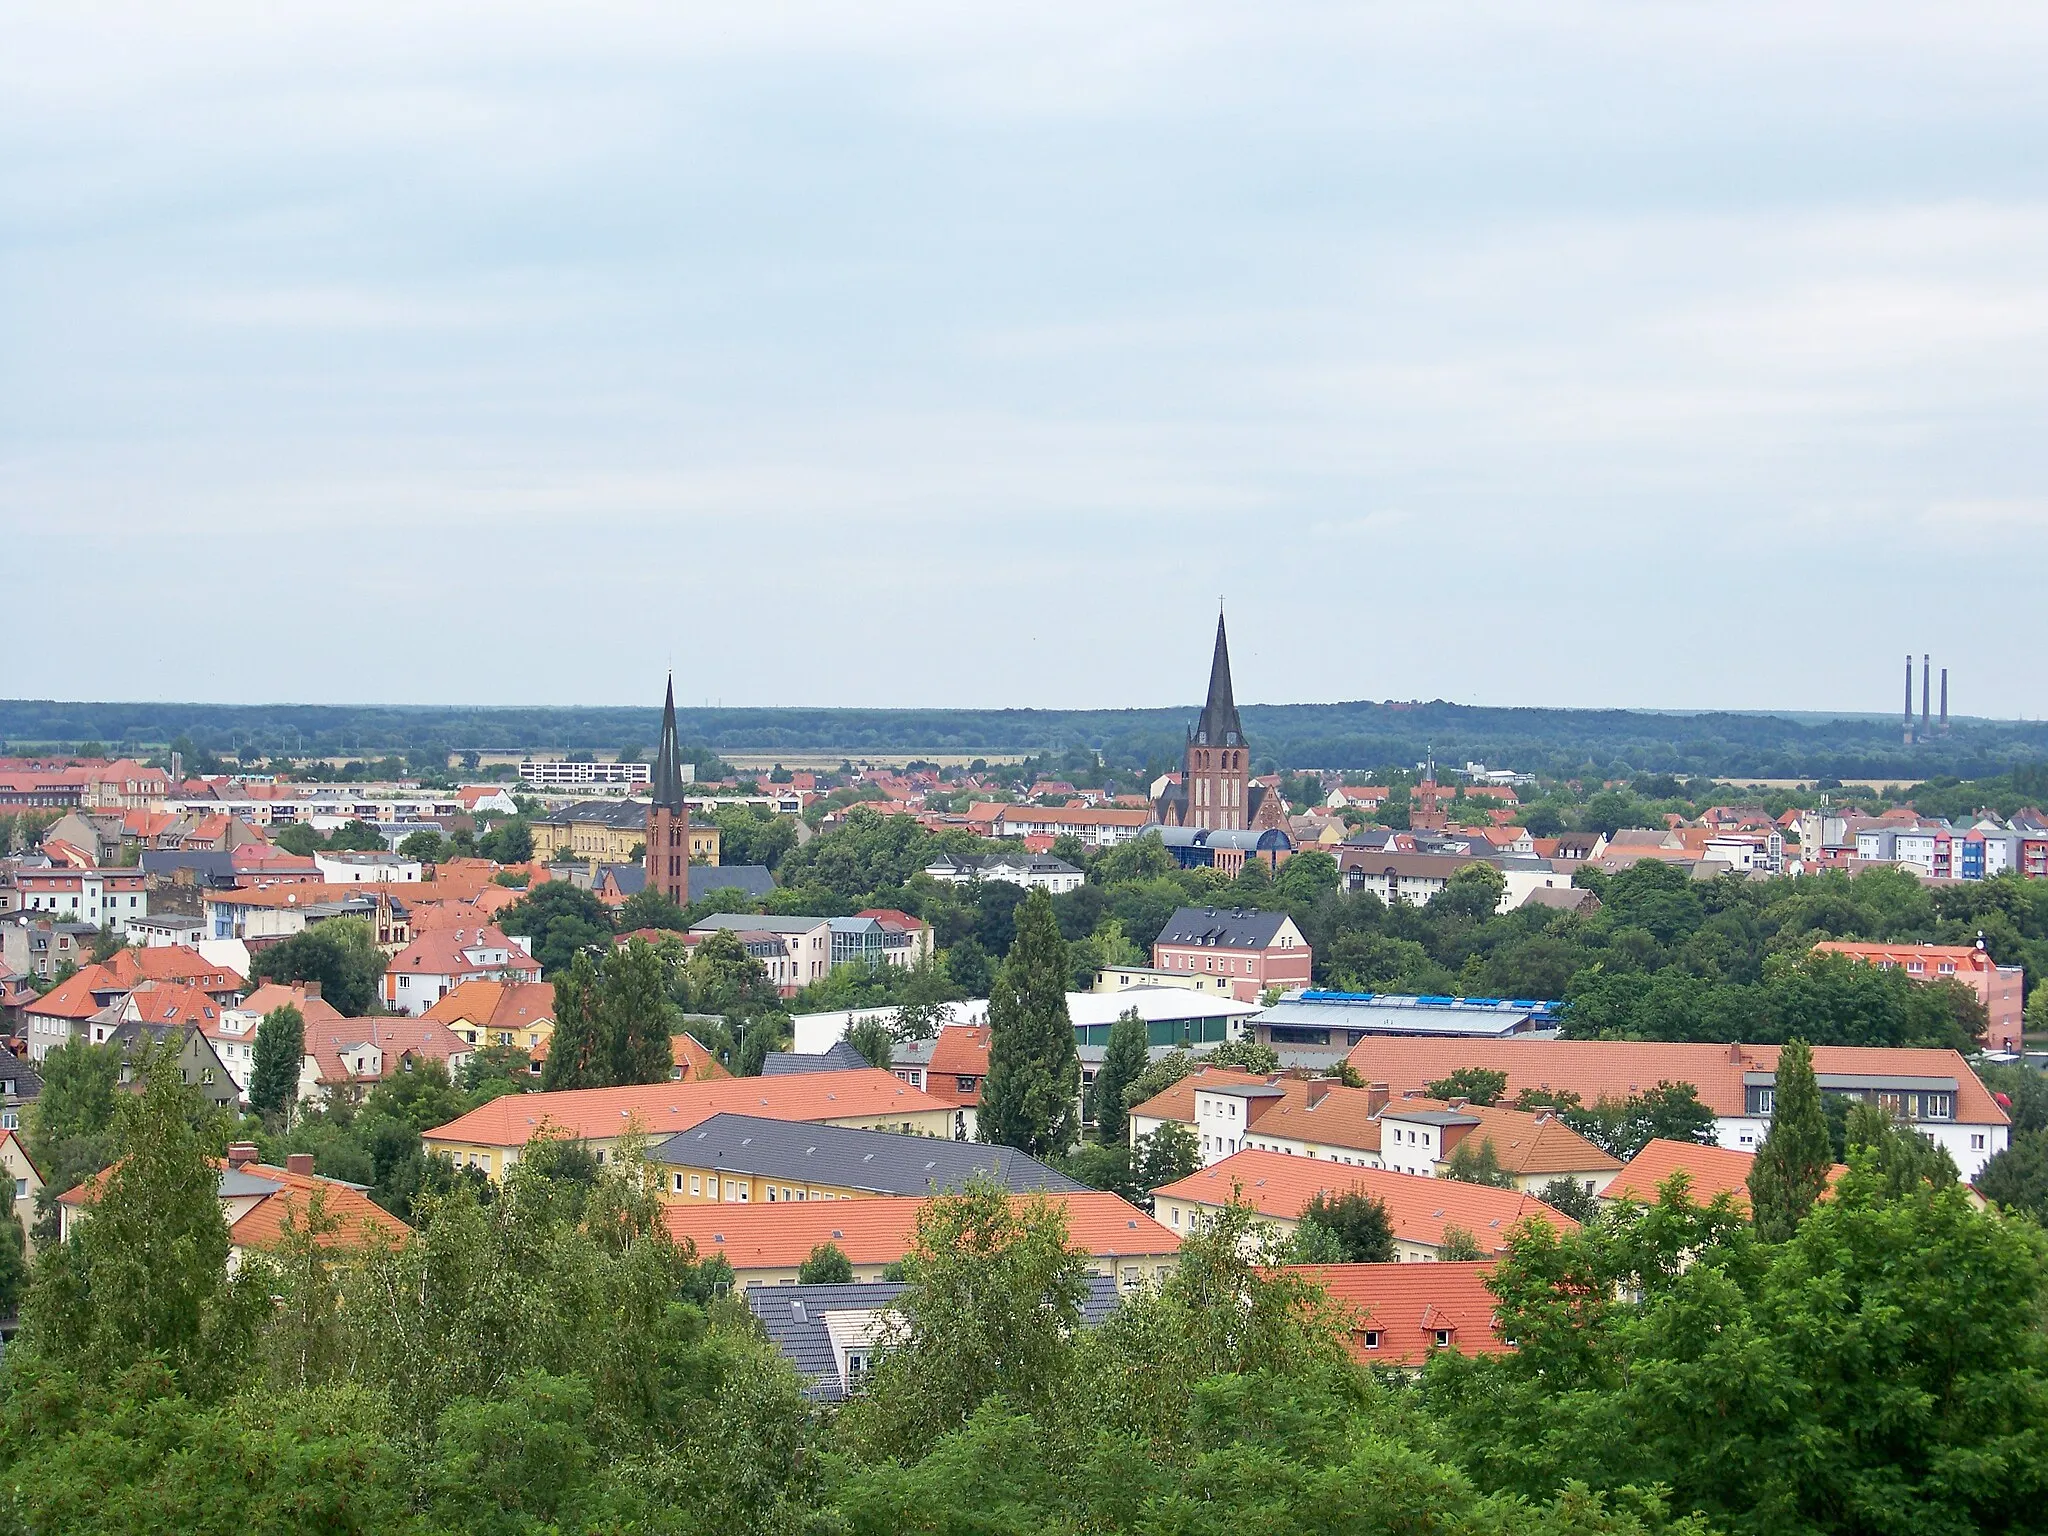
{"x": 1216, "y": 790}
{"x": 668, "y": 818}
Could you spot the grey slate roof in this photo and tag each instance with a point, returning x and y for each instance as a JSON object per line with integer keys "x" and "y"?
{"x": 748, "y": 922}
{"x": 1222, "y": 930}
{"x": 794, "y": 1318}
{"x": 841, "y": 1058}
{"x": 631, "y": 815}
{"x": 880, "y": 1162}
{"x": 753, "y": 879}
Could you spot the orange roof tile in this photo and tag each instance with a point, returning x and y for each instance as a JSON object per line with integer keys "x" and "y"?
{"x": 1398, "y": 1311}
{"x": 879, "y": 1230}
{"x": 361, "y": 1220}
{"x": 697, "y": 1064}
{"x": 662, "y": 1109}
{"x": 1277, "y": 1185}
{"x": 72, "y": 998}
{"x": 172, "y": 962}
{"x": 1709, "y": 1171}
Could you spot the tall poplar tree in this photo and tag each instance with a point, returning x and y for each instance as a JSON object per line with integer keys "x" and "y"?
{"x": 633, "y": 1016}
{"x": 1128, "y": 1054}
{"x": 280, "y": 1054}
{"x": 1792, "y": 1165}
{"x": 1034, "y": 1073}
{"x": 575, "y": 1059}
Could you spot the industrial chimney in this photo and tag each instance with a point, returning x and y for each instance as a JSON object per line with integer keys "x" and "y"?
{"x": 1944, "y": 701}
{"x": 1926, "y": 676}
{"x": 1909, "y": 698}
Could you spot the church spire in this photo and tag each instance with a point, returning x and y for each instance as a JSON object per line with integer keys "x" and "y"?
{"x": 668, "y": 771}
{"x": 1219, "y": 725}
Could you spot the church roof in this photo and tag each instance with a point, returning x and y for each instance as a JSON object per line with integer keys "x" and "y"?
{"x": 1219, "y": 725}
{"x": 668, "y": 773}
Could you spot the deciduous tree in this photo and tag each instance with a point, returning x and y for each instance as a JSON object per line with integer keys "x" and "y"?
{"x": 1034, "y": 1074}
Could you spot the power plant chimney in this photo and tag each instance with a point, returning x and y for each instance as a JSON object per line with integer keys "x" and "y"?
{"x": 1944, "y": 701}
{"x": 1909, "y": 698}
{"x": 1926, "y": 714}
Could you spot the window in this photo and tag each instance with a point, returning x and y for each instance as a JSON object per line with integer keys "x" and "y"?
{"x": 696, "y": 1184}
{"x": 1372, "y": 1338}
{"x": 21, "y": 1189}
{"x": 679, "y": 1183}
{"x": 1976, "y": 1141}
{"x": 1443, "y": 1338}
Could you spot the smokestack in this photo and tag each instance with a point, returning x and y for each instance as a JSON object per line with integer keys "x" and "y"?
{"x": 1944, "y": 701}
{"x": 1909, "y": 698}
{"x": 1925, "y": 713}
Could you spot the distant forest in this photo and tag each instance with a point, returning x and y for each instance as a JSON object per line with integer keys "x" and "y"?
{"x": 1354, "y": 736}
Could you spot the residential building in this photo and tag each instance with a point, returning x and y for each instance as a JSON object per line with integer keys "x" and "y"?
{"x": 1318, "y": 1118}
{"x": 199, "y": 1061}
{"x": 1097, "y": 826}
{"x": 2000, "y": 988}
{"x": 1399, "y": 1315}
{"x": 263, "y": 1205}
{"x": 20, "y": 1084}
{"x": 132, "y": 967}
{"x": 1423, "y": 1211}
{"x": 906, "y": 941}
{"x": 558, "y": 773}
{"x": 796, "y": 950}
{"x": 166, "y": 929}
{"x": 487, "y": 1014}
{"x": 830, "y": 1333}
{"x": 955, "y": 1071}
{"x": 1033, "y": 871}
{"x": 1394, "y": 876}
{"x": 367, "y": 869}
{"x": 25, "y": 1182}
{"x": 745, "y": 1158}
{"x": 1932, "y": 1090}
{"x": 1254, "y": 951}
{"x": 1121, "y": 978}
{"x": 690, "y": 1061}
{"x": 1215, "y": 788}
{"x": 105, "y": 898}
{"x": 441, "y": 959}
{"x": 1709, "y": 1172}
{"x": 492, "y": 1136}
{"x": 767, "y": 1244}
{"x": 841, "y": 1057}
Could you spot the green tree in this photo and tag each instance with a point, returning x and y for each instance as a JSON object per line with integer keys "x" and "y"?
{"x": 1165, "y": 1156}
{"x": 71, "y": 1124}
{"x": 1571, "y": 1198}
{"x": 634, "y": 1016}
{"x": 1359, "y": 1223}
{"x": 509, "y": 842}
{"x": 1475, "y": 1085}
{"x": 424, "y": 845}
{"x": 355, "y": 837}
{"x": 873, "y": 1039}
{"x": 340, "y": 953}
{"x": 561, "y": 920}
{"x": 827, "y": 1265}
{"x": 1034, "y": 1073}
{"x": 1479, "y": 1163}
{"x": 145, "y": 1276}
{"x": 1123, "y": 1061}
{"x": 576, "y": 1054}
{"x": 2017, "y": 1178}
{"x": 1792, "y": 1165}
{"x": 652, "y": 908}
{"x": 1459, "y": 1246}
{"x": 13, "y": 1255}
{"x": 994, "y": 1296}
{"x": 280, "y": 1055}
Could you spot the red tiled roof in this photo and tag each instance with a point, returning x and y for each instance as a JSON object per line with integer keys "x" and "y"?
{"x": 1617, "y": 1069}
{"x": 72, "y": 998}
{"x": 1420, "y": 1208}
{"x": 697, "y": 1063}
{"x": 361, "y": 1219}
{"x": 167, "y": 1002}
{"x": 662, "y": 1109}
{"x": 172, "y": 962}
{"x": 1709, "y": 1171}
{"x": 879, "y": 1230}
{"x": 1398, "y": 1310}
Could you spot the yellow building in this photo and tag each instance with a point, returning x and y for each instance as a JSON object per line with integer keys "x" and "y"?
{"x": 492, "y": 1136}
{"x": 609, "y": 832}
{"x": 491, "y": 1013}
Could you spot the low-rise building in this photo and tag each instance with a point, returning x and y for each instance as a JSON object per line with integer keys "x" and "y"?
{"x": 1934, "y": 1091}
{"x": 796, "y": 950}
{"x": 558, "y": 773}
{"x": 493, "y": 1136}
{"x": 2000, "y": 988}
{"x": 746, "y": 1159}
{"x": 1709, "y": 1173}
{"x": 767, "y": 1244}
{"x": 1423, "y": 1212}
{"x": 442, "y": 958}
{"x": 1033, "y": 871}
{"x": 610, "y": 832}
{"x": 487, "y": 1014}
{"x": 1398, "y": 1315}
{"x": 1340, "y": 1020}
{"x": 367, "y": 869}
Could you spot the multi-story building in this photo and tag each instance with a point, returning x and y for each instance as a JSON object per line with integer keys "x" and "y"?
{"x": 1033, "y": 871}
{"x": 442, "y": 958}
{"x": 106, "y": 898}
{"x": 1252, "y": 950}
{"x": 804, "y": 945}
{"x": 551, "y": 773}
{"x": 615, "y": 832}
{"x": 2001, "y": 988}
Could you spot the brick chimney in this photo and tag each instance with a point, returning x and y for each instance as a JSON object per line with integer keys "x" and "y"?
{"x": 241, "y": 1153}
{"x": 300, "y": 1163}
{"x": 1376, "y": 1096}
{"x": 1318, "y": 1090}
{"x": 310, "y": 990}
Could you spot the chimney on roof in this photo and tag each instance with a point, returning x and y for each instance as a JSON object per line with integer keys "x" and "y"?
{"x": 300, "y": 1163}
{"x": 241, "y": 1153}
{"x": 1318, "y": 1090}
{"x": 309, "y": 990}
{"x": 1376, "y": 1096}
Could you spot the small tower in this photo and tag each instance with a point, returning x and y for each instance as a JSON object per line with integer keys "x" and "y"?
{"x": 668, "y": 817}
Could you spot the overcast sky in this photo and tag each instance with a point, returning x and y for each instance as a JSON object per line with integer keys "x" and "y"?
{"x": 1645, "y": 354}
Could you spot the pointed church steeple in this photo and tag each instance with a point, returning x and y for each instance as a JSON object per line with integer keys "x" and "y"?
{"x": 1219, "y": 725}
{"x": 668, "y": 772}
